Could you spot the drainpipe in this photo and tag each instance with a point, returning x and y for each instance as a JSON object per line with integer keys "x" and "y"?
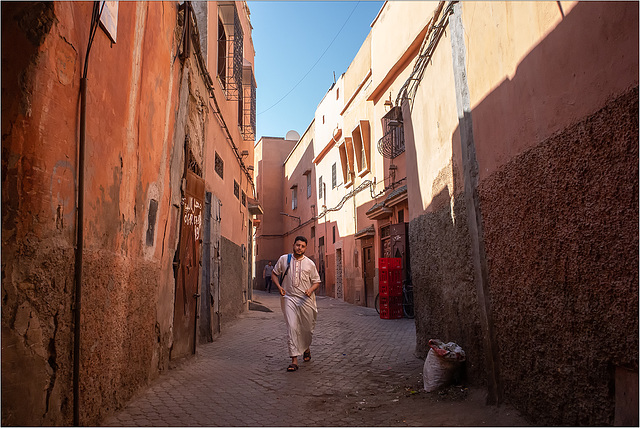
{"x": 95, "y": 18}
{"x": 326, "y": 237}
{"x": 79, "y": 251}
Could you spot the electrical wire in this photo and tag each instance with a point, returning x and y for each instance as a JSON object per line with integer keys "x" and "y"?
{"x": 95, "y": 19}
{"x": 429, "y": 44}
{"x": 314, "y": 65}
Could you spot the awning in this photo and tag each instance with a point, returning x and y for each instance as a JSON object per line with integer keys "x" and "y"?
{"x": 367, "y": 232}
{"x": 379, "y": 212}
{"x": 397, "y": 196}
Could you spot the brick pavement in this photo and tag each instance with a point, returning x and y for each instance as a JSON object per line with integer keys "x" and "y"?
{"x": 363, "y": 372}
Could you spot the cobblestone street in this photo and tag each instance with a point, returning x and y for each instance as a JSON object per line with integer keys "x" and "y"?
{"x": 363, "y": 372}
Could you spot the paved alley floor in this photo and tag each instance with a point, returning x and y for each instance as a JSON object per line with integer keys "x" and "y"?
{"x": 363, "y": 372}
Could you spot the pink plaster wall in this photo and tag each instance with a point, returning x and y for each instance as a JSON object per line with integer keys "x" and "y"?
{"x": 585, "y": 60}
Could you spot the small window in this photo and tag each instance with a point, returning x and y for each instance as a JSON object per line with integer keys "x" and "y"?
{"x": 294, "y": 197}
{"x": 313, "y": 232}
{"x": 244, "y": 198}
{"x": 334, "y": 234}
{"x": 321, "y": 241}
{"x": 236, "y": 189}
{"x": 385, "y": 232}
{"x": 334, "y": 177}
{"x": 401, "y": 216}
{"x": 320, "y": 187}
{"x": 219, "y": 166}
{"x": 308, "y": 186}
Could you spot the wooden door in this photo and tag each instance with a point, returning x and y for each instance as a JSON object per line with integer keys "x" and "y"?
{"x": 368, "y": 272}
{"x": 188, "y": 269}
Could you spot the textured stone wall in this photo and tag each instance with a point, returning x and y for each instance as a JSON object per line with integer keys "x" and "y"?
{"x": 446, "y": 304}
{"x": 233, "y": 280}
{"x": 119, "y": 336}
{"x": 561, "y": 234}
{"x": 37, "y": 333}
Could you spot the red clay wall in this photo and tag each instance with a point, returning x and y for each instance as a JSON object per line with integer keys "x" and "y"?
{"x": 128, "y": 126}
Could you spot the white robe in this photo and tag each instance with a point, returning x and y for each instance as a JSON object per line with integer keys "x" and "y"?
{"x": 300, "y": 312}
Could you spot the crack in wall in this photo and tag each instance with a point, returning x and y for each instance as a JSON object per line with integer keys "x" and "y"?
{"x": 52, "y": 360}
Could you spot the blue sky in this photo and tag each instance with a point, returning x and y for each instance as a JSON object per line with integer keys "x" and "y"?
{"x": 299, "y": 45}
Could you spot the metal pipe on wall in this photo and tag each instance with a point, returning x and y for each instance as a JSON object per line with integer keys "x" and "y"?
{"x": 77, "y": 302}
{"x": 79, "y": 251}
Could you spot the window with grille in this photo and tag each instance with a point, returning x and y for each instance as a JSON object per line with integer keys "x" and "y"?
{"x": 320, "y": 187}
{"x": 308, "y": 186}
{"x": 385, "y": 232}
{"x": 294, "y": 197}
{"x": 236, "y": 189}
{"x": 334, "y": 177}
{"x": 244, "y": 198}
{"x": 219, "y": 165}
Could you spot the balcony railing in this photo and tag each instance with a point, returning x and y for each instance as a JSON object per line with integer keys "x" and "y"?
{"x": 391, "y": 145}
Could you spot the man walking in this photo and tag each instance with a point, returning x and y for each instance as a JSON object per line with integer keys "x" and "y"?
{"x": 300, "y": 279}
{"x": 266, "y": 274}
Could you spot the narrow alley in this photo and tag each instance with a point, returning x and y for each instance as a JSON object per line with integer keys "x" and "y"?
{"x": 363, "y": 372}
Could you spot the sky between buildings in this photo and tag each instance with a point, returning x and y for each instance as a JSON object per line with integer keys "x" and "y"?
{"x": 299, "y": 46}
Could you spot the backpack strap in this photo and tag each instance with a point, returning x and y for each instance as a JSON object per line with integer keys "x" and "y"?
{"x": 286, "y": 270}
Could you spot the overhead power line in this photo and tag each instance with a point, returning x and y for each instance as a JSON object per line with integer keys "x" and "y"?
{"x": 314, "y": 64}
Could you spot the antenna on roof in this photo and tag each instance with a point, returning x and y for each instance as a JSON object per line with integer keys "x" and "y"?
{"x": 334, "y": 77}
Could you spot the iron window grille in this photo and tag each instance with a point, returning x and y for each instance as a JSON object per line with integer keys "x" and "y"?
{"x": 294, "y": 197}
{"x": 249, "y": 108}
{"x": 391, "y": 145}
{"x": 334, "y": 176}
{"x": 244, "y": 198}
{"x": 219, "y": 165}
{"x": 230, "y": 55}
{"x": 236, "y": 189}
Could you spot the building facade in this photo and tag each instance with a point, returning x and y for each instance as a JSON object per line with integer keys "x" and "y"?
{"x": 493, "y": 146}
{"x": 127, "y": 152}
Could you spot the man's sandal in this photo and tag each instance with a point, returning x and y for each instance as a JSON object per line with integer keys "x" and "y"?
{"x": 292, "y": 367}
{"x": 306, "y": 356}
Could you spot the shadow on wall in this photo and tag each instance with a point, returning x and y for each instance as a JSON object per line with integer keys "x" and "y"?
{"x": 558, "y": 152}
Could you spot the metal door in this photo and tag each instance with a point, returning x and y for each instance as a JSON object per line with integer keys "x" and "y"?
{"x": 399, "y": 247}
{"x": 206, "y": 300}
{"x": 188, "y": 269}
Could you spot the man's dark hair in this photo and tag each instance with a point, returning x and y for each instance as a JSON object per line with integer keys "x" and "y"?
{"x": 300, "y": 238}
